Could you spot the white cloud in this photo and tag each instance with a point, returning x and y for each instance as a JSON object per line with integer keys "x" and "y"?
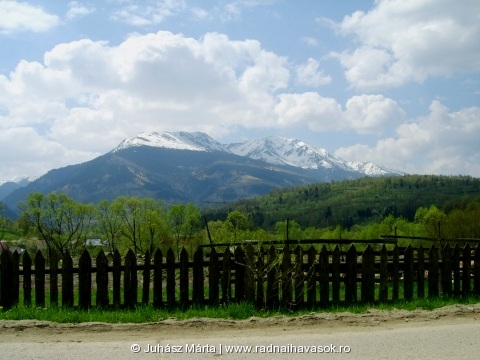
{"x": 18, "y": 17}
{"x": 411, "y": 40}
{"x": 76, "y": 9}
{"x": 148, "y": 12}
{"x": 309, "y": 74}
{"x": 362, "y": 113}
{"x": 442, "y": 142}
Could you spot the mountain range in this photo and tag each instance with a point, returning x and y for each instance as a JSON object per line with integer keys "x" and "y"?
{"x": 193, "y": 167}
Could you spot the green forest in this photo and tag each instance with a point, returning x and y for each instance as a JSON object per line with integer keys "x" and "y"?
{"x": 445, "y": 207}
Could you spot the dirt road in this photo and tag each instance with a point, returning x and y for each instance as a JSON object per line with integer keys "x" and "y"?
{"x": 447, "y": 333}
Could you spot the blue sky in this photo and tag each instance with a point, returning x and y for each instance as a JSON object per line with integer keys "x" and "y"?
{"x": 394, "y": 82}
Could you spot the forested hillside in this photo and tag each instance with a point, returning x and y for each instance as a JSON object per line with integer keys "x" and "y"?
{"x": 358, "y": 201}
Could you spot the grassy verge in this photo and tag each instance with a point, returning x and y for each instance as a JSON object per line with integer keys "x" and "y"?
{"x": 143, "y": 314}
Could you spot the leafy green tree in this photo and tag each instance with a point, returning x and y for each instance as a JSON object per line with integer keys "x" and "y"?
{"x": 108, "y": 223}
{"x": 237, "y": 221}
{"x": 61, "y": 222}
{"x": 432, "y": 219}
{"x": 3, "y": 221}
{"x": 176, "y": 220}
{"x": 155, "y": 227}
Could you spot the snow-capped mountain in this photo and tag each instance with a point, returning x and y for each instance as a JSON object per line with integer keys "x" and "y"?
{"x": 8, "y": 186}
{"x": 179, "y": 140}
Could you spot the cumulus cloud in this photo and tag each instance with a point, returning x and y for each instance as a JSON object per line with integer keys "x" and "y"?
{"x": 362, "y": 113}
{"x": 76, "y": 9}
{"x": 309, "y": 74}
{"x": 411, "y": 40}
{"x": 20, "y": 17}
{"x": 443, "y": 142}
{"x": 148, "y": 12}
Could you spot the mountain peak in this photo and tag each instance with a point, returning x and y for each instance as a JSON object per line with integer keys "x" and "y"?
{"x": 178, "y": 140}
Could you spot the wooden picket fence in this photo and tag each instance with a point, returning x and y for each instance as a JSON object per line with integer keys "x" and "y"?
{"x": 290, "y": 277}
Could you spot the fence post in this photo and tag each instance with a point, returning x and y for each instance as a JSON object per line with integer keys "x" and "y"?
{"x": 433, "y": 290}
{"x": 67, "y": 280}
{"x": 39, "y": 279}
{"x": 467, "y": 270}
{"x": 198, "y": 287}
{"x": 213, "y": 278}
{"x": 27, "y": 279}
{"x": 101, "y": 263}
{"x": 408, "y": 274}
{"x": 383, "y": 293}
{"x": 157, "y": 278}
{"x": 324, "y": 277}
{"x": 368, "y": 275}
{"x": 351, "y": 275}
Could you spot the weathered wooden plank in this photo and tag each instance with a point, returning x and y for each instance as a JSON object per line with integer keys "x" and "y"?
{"x": 476, "y": 271}
{"x": 146, "y": 278}
{"x": 408, "y": 274}
{"x": 250, "y": 273}
{"x": 336, "y": 275}
{"x": 433, "y": 276}
{"x": 15, "y": 291}
{"x": 323, "y": 277}
{"x": 286, "y": 278}
{"x": 368, "y": 275}
{"x": 351, "y": 275}
{"x": 226, "y": 276}
{"x": 158, "y": 278}
{"x": 420, "y": 272}
{"x": 383, "y": 293}
{"x": 298, "y": 278}
{"x": 395, "y": 273}
{"x": 260, "y": 274}
{"x": 311, "y": 277}
{"x": 184, "y": 270}
{"x": 85, "y": 280}
{"x": 53, "y": 255}
{"x": 170, "y": 265}
{"x": 213, "y": 278}
{"x": 272, "y": 280}
{"x": 456, "y": 270}
{"x": 130, "y": 281}
{"x": 39, "y": 261}
{"x": 116, "y": 277}
{"x": 67, "y": 280}
{"x": 6, "y": 283}
{"x": 447, "y": 270}
{"x": 466, "y": 270}
{"x": 27, "y": 279}
{"x": 198, "y": 296}
{"x": 101, "y": 278}
{"x": 239, "y": 265}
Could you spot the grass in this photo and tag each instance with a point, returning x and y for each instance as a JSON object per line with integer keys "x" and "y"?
{"x": 145, "y": 314}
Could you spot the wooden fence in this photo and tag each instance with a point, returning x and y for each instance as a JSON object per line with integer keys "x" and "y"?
{"x": 292, "y": 277}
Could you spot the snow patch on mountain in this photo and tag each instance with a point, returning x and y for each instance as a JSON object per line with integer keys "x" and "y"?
{"x": 194, "y": 141}
{"x": 279, "y": 150}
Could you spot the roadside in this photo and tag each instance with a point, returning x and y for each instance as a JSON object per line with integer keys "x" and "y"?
{"x": 444, "y": 333}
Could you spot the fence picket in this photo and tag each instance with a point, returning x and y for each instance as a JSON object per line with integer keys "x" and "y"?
{"x": 298, "y": 278}
{"x": 67, "y": 280}
{"x": 433, "y": 290}
{"x": 146, "y": 278}
{"x": 198, "y": 278}
{"x": 324, "y": 277}
{"x": 286, "y": 277}
{"x": 311, "y": 278}
{"x": 383, "y": 293}
{"x": 53, "y": 278}
{"x": 351, "y": 275}
{"x": 368, "y": 275}
{"x": 213, "y": 278}
{"x": 420, "y": 272}
{"x": 85, "y": 280}
{"x": 101, "y": 263}
{"x": 27, "y": 279}
{"x": 158, "y": 279}
{"x": 170, "y": 265}
{"x": 466, "y": 270}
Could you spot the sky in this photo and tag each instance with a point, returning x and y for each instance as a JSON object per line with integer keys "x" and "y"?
{"x": 393, "y": 82}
